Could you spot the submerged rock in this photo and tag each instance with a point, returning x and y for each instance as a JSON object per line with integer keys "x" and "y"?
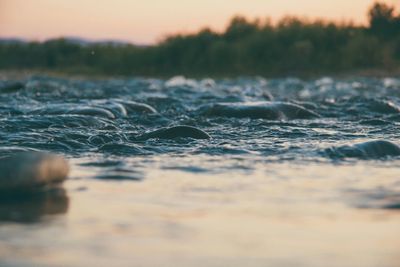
{"x": 259, "y": 110}
{"x": 109, "y": 109}
{"x": 74, "y": 109}
{"x": 175, "y": 132}
{"x": 93, "y": 111}
{"x": 11, "y": 87}
{"x": 135, "y": 107}
{"x": 383, "y": 106}
{"x": 116, "y": 108}
{"x": 30, "y": 170}
{"x": 367, "y": 150}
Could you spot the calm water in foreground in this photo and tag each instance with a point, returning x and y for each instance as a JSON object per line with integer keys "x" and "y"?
{"x": 261, "y": 192}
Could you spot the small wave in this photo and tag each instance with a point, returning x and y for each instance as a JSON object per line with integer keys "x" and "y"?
{"x": 118, "y": 177}
{"x": 121, "y": 149}
{"x": 367, "y": 150}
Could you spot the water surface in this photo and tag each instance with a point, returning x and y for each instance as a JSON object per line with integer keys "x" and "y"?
{"x": 258, "y": 193}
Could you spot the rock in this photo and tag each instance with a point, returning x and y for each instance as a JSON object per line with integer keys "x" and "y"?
{"x": 175, "y": 132}
{"x": 259, "y": 110}
{"x": 73, "y": 109}
{"x": 92, "y": 111}
{"x": 11, "y": 87}
{"x": 30, "y": 170}
{"x": 367, "y": 150}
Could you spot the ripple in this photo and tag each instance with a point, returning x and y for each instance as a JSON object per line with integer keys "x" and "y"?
{"x": 133, "y": 116}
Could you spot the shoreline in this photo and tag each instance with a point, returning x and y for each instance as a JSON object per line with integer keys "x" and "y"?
{"x": 27, "y": 73}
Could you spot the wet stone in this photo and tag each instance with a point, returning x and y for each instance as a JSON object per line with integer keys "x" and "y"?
{"x": 31, "y": 170}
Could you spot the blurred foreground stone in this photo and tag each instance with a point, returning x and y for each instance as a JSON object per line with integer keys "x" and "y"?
{"x": 31, "y": 170}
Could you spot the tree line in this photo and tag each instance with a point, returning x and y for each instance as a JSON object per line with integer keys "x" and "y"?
{"x": 291, "y": 46}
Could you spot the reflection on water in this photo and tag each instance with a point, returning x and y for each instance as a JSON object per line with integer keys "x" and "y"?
{"x": 278, "y": 214}
{"x": 30, "y": 207}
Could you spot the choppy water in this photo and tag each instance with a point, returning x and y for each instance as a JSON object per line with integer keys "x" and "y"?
{"x": 263, "y": 191}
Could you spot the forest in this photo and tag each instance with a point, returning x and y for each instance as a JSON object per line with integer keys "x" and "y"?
{"x": 292, "y": 46}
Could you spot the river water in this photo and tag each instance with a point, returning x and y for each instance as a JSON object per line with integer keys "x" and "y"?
{"x": 260, "y": 192}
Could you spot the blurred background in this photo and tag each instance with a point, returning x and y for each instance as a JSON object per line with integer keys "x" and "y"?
{"x": 197, "y": 38}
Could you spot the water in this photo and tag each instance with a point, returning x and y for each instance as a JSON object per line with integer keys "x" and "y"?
{"x": 260, "y": 192}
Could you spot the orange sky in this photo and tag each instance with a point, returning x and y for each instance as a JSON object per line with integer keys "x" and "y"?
{"x": 146, "y": 21}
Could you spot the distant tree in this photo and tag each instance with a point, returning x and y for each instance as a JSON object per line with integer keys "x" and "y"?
{"x": 239, "y": 28}
{"x": 383, "y": 21}
{"x": 291, "y": 46}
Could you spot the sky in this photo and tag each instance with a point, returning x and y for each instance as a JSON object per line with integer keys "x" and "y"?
{"x": 148, "y": 21}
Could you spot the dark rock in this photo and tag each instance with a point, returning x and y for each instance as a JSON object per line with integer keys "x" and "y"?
{"x": 11, "y": 87}
{"x": 259, "y": 110}
{"x": 367, "y": 150}
{"x": 175, "y": 132}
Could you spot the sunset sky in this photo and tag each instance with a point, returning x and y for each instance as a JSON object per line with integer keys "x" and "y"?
{"x": 147, "y": 21}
